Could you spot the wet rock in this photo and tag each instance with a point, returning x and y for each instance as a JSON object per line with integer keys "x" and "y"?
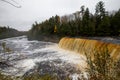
{"x": 4, "y": 65}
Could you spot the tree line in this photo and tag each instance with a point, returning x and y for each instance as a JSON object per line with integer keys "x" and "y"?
{"x": 7, "y": 32}
{"x": 80, "y": 23}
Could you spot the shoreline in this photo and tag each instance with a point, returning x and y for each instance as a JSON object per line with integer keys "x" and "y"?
{"x": 56, "y": 39}
{"x": 46, "y": 38}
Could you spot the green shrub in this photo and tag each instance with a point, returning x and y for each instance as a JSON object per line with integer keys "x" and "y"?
{"x": 37, "y": 76}
{"x": 4, "y": 77}
{"x": 102, "y": 66}
{"x": 5, "y": 48}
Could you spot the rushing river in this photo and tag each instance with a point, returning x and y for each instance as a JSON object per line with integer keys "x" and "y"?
{"x": 27, "y": 57}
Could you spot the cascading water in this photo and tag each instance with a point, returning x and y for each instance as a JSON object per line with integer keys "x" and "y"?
{"x": 26, "y": 57}
{"x": 89, "y": 46}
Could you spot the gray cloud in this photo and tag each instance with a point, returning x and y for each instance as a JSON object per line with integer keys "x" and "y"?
{"x": 39, "y": 10}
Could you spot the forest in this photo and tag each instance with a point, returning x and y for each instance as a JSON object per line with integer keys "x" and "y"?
{"x": 80, "y": 23}
{"x": 7, "y": 32}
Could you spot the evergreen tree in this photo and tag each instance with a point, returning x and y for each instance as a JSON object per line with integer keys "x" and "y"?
{"x": 86, "y": 22}
{"x": 100, "y": 17}
{"x": 115, "y": 23}
{"x": 81, "y": 23}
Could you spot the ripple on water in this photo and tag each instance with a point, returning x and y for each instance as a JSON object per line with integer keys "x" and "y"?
{"x": 42, "y": 57}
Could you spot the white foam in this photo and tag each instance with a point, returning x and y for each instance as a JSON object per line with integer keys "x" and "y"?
{"x": 71, "y": 57}
{"x": 83, "y": 76}
{"x": 53, "y": 53}
{"x": 26, "y": 64}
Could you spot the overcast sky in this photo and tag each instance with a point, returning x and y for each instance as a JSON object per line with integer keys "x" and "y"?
{"x": 40, "y": 10}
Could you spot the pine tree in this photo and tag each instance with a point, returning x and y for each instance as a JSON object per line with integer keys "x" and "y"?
{"x": 100, "y": 16}
{"x": 86, "y": 22}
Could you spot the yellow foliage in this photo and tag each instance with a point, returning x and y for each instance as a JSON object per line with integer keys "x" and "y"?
{"x": 55, "y": 28}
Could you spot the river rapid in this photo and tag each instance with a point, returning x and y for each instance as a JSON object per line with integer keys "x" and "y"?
{"x": 26, "y": 57}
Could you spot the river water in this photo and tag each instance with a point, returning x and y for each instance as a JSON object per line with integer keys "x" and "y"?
{"x": 26, "y": 57}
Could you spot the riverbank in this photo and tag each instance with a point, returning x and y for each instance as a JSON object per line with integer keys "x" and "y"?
{"x": 56, "y": 39}
{"x": 46, "y": 38}
{"x": 6, "y": 32}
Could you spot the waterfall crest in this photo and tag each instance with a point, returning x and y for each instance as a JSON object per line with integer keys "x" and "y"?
{"x": 83, "y": 46}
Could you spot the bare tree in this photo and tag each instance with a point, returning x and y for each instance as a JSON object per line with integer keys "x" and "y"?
{"x": 12, "y": 2}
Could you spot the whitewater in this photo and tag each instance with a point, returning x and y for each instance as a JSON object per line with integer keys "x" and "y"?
{"x": 27, "y": 57}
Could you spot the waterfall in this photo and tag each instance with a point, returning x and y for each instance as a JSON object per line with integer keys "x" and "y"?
{"x": 83, "y": 46}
